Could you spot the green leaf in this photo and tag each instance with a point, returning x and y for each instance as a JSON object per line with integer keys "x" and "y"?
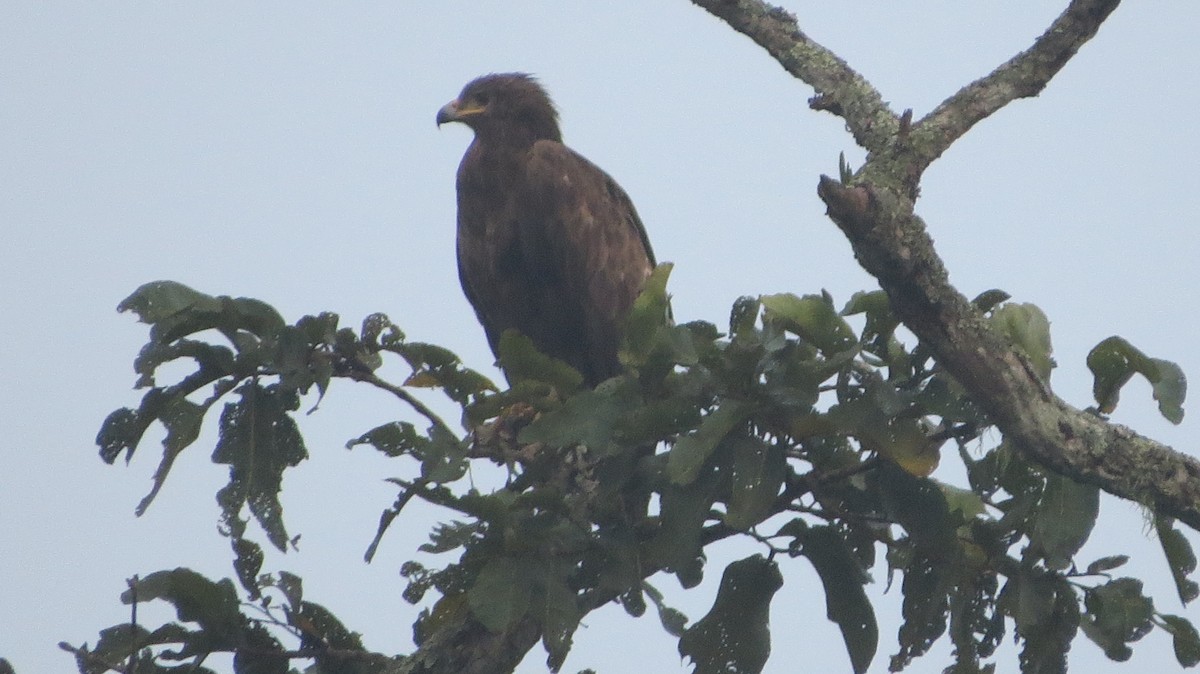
{"x": 881, "y": 322}
{"x": 690, "y": 453}
{"x": 560, "y": 618}
{"x": 964, "y": 501}
{"x": 500, "y": 595}
{"x": 813, "y": 318}
{"x": 159, "y": 300}
{"x": 1107, "y": 564}
{"x": 743, "y": 316}
{"x": 394, "y": 439}
{"x": 1184, "y": 638}
{"x": 845, "y": 172}
{"x": 1113, "y": 363}
{"x": 1180, "y": 557}
{"x": 758, "y": 473}
{"x": 925, "y": 607}
{"x": 1170, "y": 388}
{"x": 876, "y": 421}
{"x": 521, "y": 360}
{"x": 437, "y": 367}
{"x": 1046, "y": 612}
{"x": 845, "y": 601}
{"x": 182, "y": 419}
{"x": 1117, "y": 614}
{"x": 735, "y": 636}
{"x": 1064, "y": 519}
{"x": 258, "y": 441}
{"x": 175, "y": 310}
{"x": 589, "y": 418}
{"x": 651, "y": 313}
{"x": 683, "y": 511}
{"x": 1027, "y": 327}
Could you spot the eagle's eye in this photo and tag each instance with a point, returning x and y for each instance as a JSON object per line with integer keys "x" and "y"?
{"x": 482, "y": 98}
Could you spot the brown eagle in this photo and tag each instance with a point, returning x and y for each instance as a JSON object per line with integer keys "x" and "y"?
{"x": 548, "y": 243}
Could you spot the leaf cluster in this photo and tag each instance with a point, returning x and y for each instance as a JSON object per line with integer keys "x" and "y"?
{"x": 811, "y": 430}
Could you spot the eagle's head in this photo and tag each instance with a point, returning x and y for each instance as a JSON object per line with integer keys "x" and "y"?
{"x": 510, "y": 107}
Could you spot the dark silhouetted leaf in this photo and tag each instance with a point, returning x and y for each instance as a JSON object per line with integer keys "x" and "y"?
{"x": 214, "y": 606}
{"x": 845, "y": 601}
{"x": 683, "y": 512}
{"x": 1107, "y": 564}
{"x": 560, "y": 617}
{"x": 988, "y": 299}
{"x": 735, "y": 637}
{"x": 393, "y": 439}
{"x": 1180, "y": 558}
{"x": 688, "y": 455}
{"x": 1117, "y": 614}
{"x": 1184, "y": 639}
{"x": 758, "y": 473}
{"x": 258, "y": 441}
{"x": 1046, "y": 612}
{"x": 247, "y": 562}
{"x": 673, "y": 621}
{"x": 338, "y": 649}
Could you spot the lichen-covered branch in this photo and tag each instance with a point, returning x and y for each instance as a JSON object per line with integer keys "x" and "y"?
{"x": 876, "y": 214}
{"x": 890, "y": 242}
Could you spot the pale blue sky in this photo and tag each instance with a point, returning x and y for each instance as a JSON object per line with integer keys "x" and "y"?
{"x": 287, "y": 151}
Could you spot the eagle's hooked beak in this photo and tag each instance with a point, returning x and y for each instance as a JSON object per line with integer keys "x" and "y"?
{"x": 456, "y": 112}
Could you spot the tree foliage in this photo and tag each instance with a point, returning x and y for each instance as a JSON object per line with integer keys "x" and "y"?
{"x": 810, "y": 428}
{"x": 793, "y": 428}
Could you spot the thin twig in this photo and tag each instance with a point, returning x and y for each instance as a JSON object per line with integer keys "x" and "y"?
{"x": 401, "y": 393}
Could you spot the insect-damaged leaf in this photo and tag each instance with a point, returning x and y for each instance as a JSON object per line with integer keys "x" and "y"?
{"x": 1180, "y": 557}
{"x": 1117, "y": 614}
{"x": 258, "y": 441}
{"x": 845, "y": 601}
{"x": 735, "y": 636}
{"x": 1185, "y": 639}
{"x": 758, "y": 473}
{"x": 1113, "y": 363}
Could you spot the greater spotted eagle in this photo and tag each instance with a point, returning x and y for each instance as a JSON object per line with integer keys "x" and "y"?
{"x": 549, "y": 244}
